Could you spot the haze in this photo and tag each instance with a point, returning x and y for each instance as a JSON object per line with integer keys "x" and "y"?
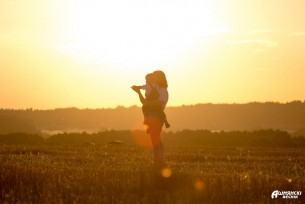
{"x": 87, "y": 54}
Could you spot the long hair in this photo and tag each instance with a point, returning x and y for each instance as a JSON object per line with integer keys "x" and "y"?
{"x": 161, "y": 79}
{"x": 150, "y": 77}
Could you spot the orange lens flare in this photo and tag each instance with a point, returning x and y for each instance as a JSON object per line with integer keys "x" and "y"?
{"x": 199, "y": 185}
{"x": 166, "y": 172}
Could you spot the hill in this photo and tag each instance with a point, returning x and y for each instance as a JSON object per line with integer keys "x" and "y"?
{"x": 216, "y": 117}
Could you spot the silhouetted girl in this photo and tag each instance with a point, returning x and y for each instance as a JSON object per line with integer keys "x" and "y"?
{"x": 154, "y": 103}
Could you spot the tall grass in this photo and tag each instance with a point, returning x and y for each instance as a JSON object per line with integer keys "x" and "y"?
{"x": 125, "y": 174}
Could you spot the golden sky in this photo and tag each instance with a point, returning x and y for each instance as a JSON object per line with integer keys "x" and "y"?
{"x": 87, "y": 53}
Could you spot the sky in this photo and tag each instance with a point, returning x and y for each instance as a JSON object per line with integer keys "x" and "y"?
{"x": 88, "y": 53}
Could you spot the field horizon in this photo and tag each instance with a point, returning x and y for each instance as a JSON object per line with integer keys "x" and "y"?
{"x": 116, "y": 166}
{"x": 252, "y": 116}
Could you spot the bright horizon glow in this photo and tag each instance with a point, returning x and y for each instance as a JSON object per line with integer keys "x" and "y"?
{"x": 151, "y": 35}
{"x": 87, "y": 54}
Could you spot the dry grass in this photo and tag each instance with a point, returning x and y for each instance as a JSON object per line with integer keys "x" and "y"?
{"x": 125, "y": 174}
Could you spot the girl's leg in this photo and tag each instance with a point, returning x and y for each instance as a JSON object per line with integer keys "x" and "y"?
{"x": 161, "y": 153}
{"x": 157, "y": 147}
{"x": 155, "y": 135}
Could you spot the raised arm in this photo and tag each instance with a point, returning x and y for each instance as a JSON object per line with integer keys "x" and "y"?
{"x": 137, "y": 90}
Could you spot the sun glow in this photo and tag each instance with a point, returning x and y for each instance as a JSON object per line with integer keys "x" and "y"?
{"x": 87, "y": 53}
{"x": 133, "y": 33}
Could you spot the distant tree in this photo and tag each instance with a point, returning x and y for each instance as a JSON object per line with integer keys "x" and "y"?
{"x": 13, "y": 124}
{"x": 21, "y": 138}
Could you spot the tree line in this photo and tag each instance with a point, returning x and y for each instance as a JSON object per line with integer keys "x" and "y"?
{"x": 227, "y": 117}
{"x": 204, "y": 138}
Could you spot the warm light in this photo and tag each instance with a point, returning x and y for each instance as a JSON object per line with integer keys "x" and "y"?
{"x": 166, "y": 172}
{"x": 141, "y": 138}
{"x": 199, "y": 185}
{"x": 289, "y": 180}
{"x": 88, "y": 53}
{"x": 134, "y": 34}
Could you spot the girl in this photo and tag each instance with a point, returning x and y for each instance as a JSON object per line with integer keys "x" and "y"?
{"x": 151, "y": 94}
{"x": 153, "y": 110}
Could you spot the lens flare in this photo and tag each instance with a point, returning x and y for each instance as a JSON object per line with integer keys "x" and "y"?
{"x": 166, "y": 172}
{"x": 141, "y": 138}
{"x": 199, "y": 185}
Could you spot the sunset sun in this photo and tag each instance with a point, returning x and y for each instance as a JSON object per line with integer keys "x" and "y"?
{"x": 88, "y": 53}
{"x": 136, "y": 35}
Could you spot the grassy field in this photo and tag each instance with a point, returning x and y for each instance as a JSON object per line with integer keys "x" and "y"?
{"x": 125, "y": 174}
